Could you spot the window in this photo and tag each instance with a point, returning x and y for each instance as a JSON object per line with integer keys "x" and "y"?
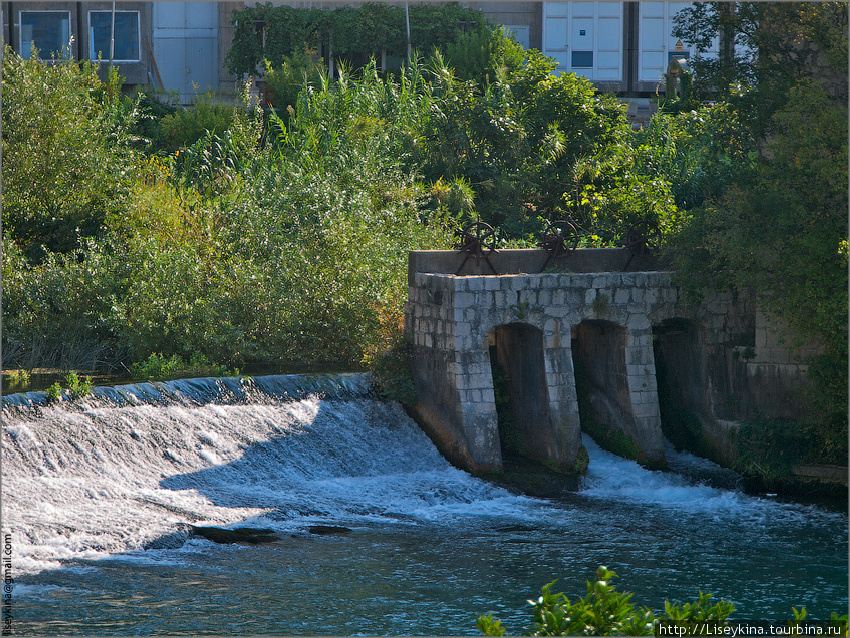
{"x": 679, "y": 55}
{"x": 126, "y": 35}
{"x": 582, "y": 59}
{"x": 47, "y": 31}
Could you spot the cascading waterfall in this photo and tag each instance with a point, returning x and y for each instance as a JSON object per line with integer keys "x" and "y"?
{"x": 118, "y": 479}
{"x": 98, "y": 478}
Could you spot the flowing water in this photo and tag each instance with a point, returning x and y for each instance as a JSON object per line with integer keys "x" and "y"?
{"x": 99, "y": 496}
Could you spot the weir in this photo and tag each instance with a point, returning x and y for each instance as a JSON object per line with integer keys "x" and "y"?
{"x": 601, "y": 323}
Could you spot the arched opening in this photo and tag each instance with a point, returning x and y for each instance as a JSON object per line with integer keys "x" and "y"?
{"x": 521, "y": 392}
{"x": 683, "y": 394}
{"x": 602, "y": 389}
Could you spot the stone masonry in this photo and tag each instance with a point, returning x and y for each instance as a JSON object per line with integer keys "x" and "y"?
{"x": 451, "y": 320}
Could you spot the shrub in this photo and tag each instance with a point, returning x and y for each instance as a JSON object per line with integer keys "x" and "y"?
{"x": 186, "y": 126}
{"x": 606, "y": 612}
{"x": 66, "y": 152}
{"x": 158, "y": 367}
{"x": 285, "y": 81}
{"x": 78, "y": 388}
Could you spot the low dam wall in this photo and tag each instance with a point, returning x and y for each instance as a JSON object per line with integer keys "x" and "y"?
{"x": 604, "y": 343}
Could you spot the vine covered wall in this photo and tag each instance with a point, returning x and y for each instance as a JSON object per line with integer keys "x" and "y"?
{"x": 274, "y": 33}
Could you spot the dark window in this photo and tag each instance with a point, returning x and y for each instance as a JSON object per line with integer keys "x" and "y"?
{"x": 47, "y": 31}
{"x": 126, "y": 35}
{"x": 582, "y": 59}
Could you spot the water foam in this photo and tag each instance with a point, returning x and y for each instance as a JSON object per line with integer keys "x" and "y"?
{"x": 126, "y": 477}
{"x": 97, "y": 479}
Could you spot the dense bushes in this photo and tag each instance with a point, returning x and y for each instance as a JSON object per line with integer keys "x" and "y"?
{"x": 772, "y": 217}
{"x": 249, "y": 240}
{"x": 226, "y": 250}
{"x": 66, "y": 153}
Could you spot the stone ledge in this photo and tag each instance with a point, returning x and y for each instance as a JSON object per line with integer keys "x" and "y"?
{"x": 822, "y": 473}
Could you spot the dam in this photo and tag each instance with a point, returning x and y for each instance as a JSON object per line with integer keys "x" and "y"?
{"x": 605, "y": 334}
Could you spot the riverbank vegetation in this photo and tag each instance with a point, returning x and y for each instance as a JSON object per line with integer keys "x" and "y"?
{"x": 138, "y": 233}
{"x": 605, "y": 611}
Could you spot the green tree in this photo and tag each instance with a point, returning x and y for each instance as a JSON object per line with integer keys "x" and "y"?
{"x": 779, "y": 227}
{"x": 66, "y": 153}
{"x": 535, "y": 147}
{"x": 777, "y": 45}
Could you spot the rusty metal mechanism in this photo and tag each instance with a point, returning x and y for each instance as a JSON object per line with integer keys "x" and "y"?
{"x": 475, "y": 238}
{"x": 560, "y": 240}
{"x": 642, "y": 237}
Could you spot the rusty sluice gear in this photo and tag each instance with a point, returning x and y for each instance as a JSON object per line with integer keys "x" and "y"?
{"x": 560, "y": 240}
{"x": 474, "y": 239}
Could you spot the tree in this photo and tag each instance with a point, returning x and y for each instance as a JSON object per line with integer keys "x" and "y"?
{"x": 536, "y": 147}
{"x": 776, "y": 45}
{"x": 65, "y": 152}
{"x": 779, "y": 228}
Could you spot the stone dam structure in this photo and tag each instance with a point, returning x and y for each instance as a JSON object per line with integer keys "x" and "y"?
{"x": 516, "y": 364}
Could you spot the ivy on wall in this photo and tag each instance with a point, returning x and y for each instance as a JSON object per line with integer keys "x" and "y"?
{"x": 274, "y": 33}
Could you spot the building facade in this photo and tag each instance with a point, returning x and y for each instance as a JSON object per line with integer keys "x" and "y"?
{"x": 175, "y": 47}
{"x": 181, "y": 47}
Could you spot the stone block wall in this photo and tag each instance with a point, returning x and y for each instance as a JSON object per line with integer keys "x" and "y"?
{"x": 455, "y": 315}
{"x": 452, "y": 319}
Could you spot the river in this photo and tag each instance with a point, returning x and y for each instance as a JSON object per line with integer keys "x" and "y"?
{"x": 99, "y": 494}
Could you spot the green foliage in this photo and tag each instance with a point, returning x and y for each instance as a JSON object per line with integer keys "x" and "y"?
{"x": 393, "y": 376}
{"x": 54, "y": 392}
{"x": 54, "y": 312}
{"x": 284, "y": 31}
{"x": 481, "y": 54}
{"x": 158, "y": 366}
{"x": 775, "y": 224}
{"x": 784, "y": 43}
{"x": 769, "y": 448}
{"x": 837, "y": 625}
{"x": 779, "y": 230}
{"x": 275, "y": 33}
{"x": 18, "y": 379}
{"x": 285, "y": 82}
{"x": 535, "y": 147}
{"x": 185, "y": 126}
{"x": 78, "y": 388}
{"x": 65, "y": 149}
{"x": 604, "y": 611}
{"x": 699, "y": 153}
{"x": 490, "y": 627}
{"x": 697, "y": 618}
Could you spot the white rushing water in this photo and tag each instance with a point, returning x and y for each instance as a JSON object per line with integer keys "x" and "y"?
{"x": 96, "y": 480}
{"x": 99, "y": 496}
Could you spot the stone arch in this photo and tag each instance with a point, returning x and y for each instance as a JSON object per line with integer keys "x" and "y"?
{"x": 684, "y": 390}
{"x": 521, "y": 390}
{"x": 612, "y": 375}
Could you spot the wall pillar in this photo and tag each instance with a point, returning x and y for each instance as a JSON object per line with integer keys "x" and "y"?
{"x": 563, "y": 404}
{"x": 643, "y": 392}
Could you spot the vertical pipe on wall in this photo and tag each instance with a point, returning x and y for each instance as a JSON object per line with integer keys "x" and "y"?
{"x": 407, "y": 19}
{"x": 12, "y": 26}
{"x": 79, "y": 31}
{"x": 112, "y": 37}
